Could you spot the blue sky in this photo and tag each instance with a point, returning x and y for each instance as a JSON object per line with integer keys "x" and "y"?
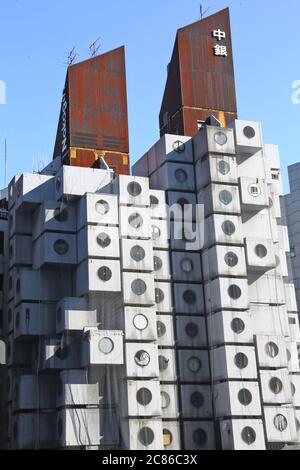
{"x": 35, "y": 36}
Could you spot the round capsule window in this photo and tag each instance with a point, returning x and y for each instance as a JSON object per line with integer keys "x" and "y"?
{"x": 104, "y": 274}
{"x": 280, "y": 423}
{"x": 234, "y": 292}
{"x": 142, "y": 358}
{"x": 225, "y": 197}
{"x": 261, "y": 251}
{"x": 154, "y": 202}
{"x": 165, "y": 400}
{"x": 159, "y": 296}
{"x": 293, "y": 389}
{"x": 134, "y": 189}
{"x": 138, "y": 287}
{"x": 102, "y": 207}
{"x": 167, "y": 438}
{"x": 140, "y": 322}
{"x": 61, "y": 247}
{"x": 272, "y": 350}
{"x": 238, "y": 326}
{"x": 276, "y": 386}
{"x": 245, "y": 397}
{"x": 106, "y": 346}
{"x": 289, "y": 355}
{"x": 158, "y": 264}
{"x": 61, "y": 214}
{"x": 137, "y": 253}
{"x": 103, "y": 240}
{"x": 248, "y": 435}
{"x": 297, "y": 422}
{"x": 200, "y": 437}
{"x": 146, "y": 436}
{"x": 144, "y": 396}
{"x": 187, "y": 265}
{"x": 220, "y": 138}
{"x": 197, "y": 400}
{"x": 136, "y": 221}
{"x": 194, "y": 364}
{"x": 249, "y": 132}
{"x": 156, "y": 232}
{"x": 161, "y": 329}
{"x": 163, "y": 363}
{"x": 241, "y": 361}
{"x": 179, "y": 146}
{"x": 228, "y": 228}
{"x": 231, "y": 259}
{"x": 181, "y": 175}
{"x": 192, "y": 330}
{"x": 223, "y": 167}
{"x": 189, "y": 297}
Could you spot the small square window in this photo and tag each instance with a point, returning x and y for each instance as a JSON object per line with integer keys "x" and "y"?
{"x": 292, "y": 321}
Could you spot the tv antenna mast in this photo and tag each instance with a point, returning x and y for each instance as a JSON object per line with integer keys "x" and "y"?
{"x": 72, "y": 56}
{"x": 202, "y": 11}
{"x": 94, "y": 47}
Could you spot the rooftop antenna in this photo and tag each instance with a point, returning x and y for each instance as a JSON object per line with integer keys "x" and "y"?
{"x": 94, "y": 47}
{"x": 202, "y": 11}
{"x": 72, "y": 56}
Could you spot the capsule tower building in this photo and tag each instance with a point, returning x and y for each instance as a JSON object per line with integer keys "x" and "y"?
{"x": 124, "y": 328}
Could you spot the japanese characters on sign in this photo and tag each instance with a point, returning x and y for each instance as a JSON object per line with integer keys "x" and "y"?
{"x": 219, "y": 49}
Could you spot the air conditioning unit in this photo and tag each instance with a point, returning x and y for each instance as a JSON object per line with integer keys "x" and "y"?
{"x": 34, "y": 392}
{"x": 161, "y": 263}
{"x": 290, "y": 295}
{"x": 75, "y": 182}
{"x": 135, "y": 222}
{"x": 186, "y": 267}
{"x": 137, "y": 255}
{"x": 165, "y": 330}
{"x": 138, "y": 289}
{"x": 145, "y": 435}
{"x": 213, "y": 140}
{"x": 160, "y": 234}
{"x": 280, "y": 424}
{"x": 102, "y": 348}
{"x": 171, "y": 436}
{"x": 34, "y": 320}
{"x": 163, "y": 297}
{"x": 292, "y": 357}
{"x": 254, "y": 193}
{"x": 98, "y": 209}
{"x": 218, "y": 198}
{"x": 271, "y": 351}
{"x": 194, "y": 366}
{"x": 234, "y": 362}
{"x": 141, "y": 360}
{"x": 196, "y": 401}
{"x": 174, "y": 176}
{"x": 72, "y": 314}
{"x": 170, "y": 148}
{"x": 33, "y": 431}
{"x": 98, "y": 276}
{"x": 53, "y": 216}
{"x": 267, "y": 289}
{"x": 158, "y": 204}
{"x": 224, "y": 260}
{"x": 268, "y": 320}
{"x": 191, "y": 332}
{"x": 248, "y": 137}
{"x": 276, "y": 387}
{"x": 55, "y": 249}
{"x": 143, "y": 398}
{"x": 216, "y": 169}
{"x": 98, "y": 242}
{"x": 140, "y": 324}
{"x": 260, "y": 254}
{"x": 228, "y": 327}
{"x": 189, "y": 299}
{"x": 78, "y": 427}
{"x": 199, "y": 435}
{"x": 167, "y": 365}
{"x": 242, "y": 435}
{"x": 20, "y": 251}
{"x": 223, "y": 230}
{"x": 169, "y": 401}
{"x": 237, "y": 399}
{"x": 226, "y": 293}
{"x": 33, "y": 189}
{"x": 73, "y": 390}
